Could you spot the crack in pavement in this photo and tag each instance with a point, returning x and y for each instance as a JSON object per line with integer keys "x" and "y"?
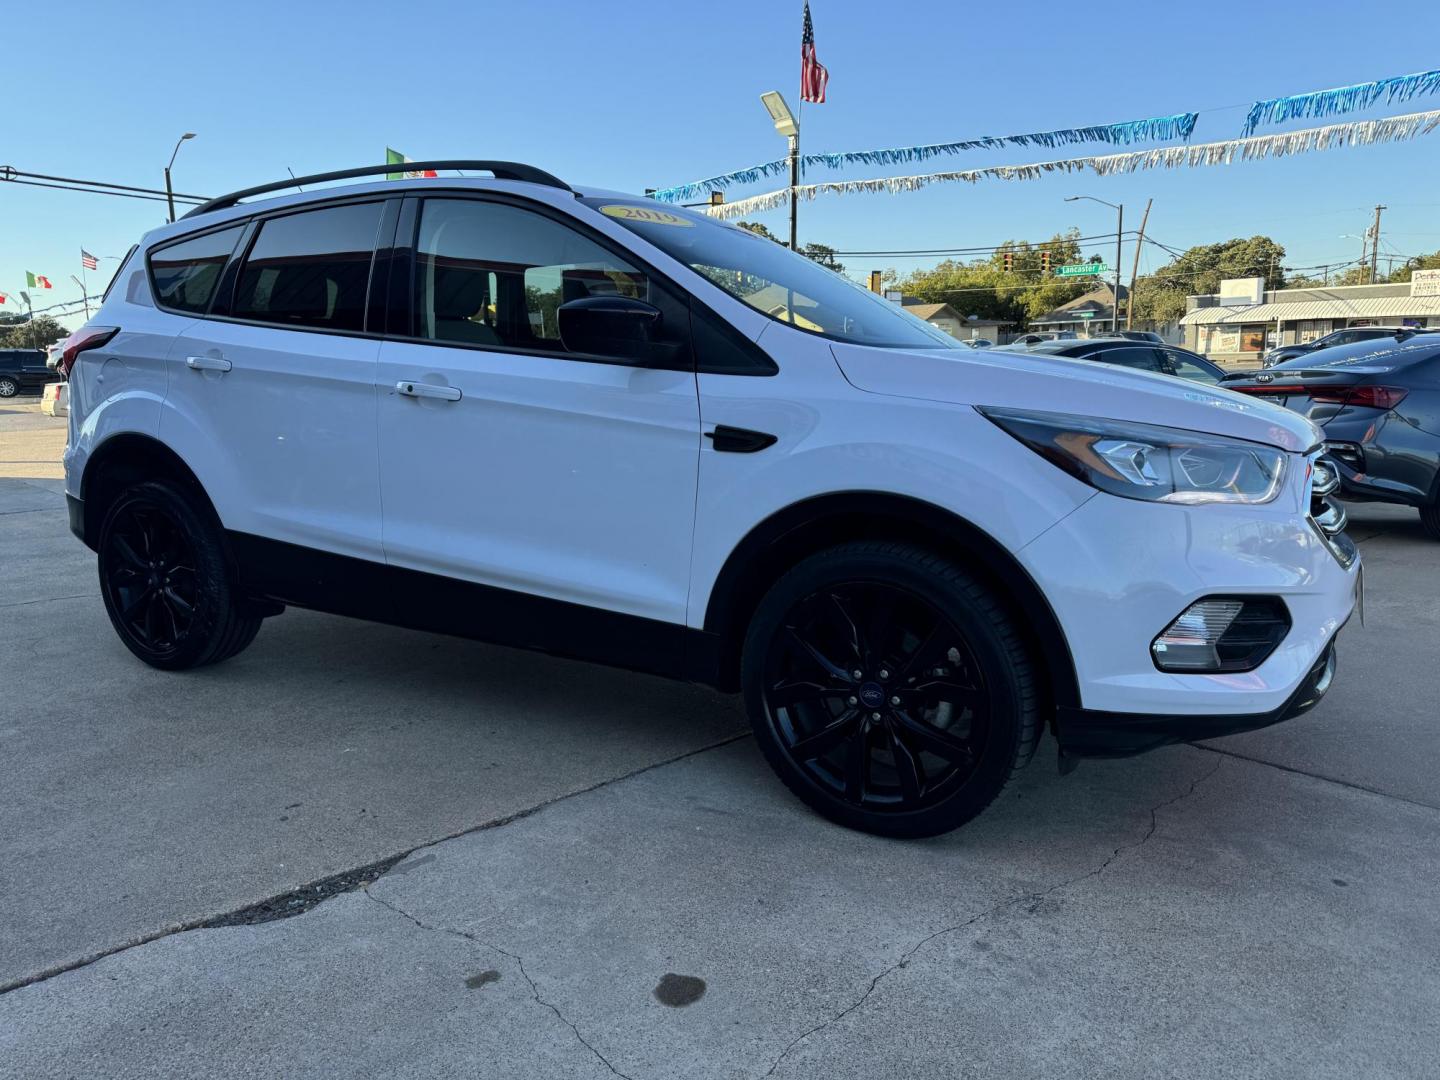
{"x": 50, "y": 599}
{"x": 1027, "y": 897}
{"x": 519, "y": 963}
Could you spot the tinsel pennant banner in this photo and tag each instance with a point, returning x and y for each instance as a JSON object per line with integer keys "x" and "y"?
{"x": 1341, "y": 99}
{"x": 1155, "y": 129}
{"x": 1358, "y": 133}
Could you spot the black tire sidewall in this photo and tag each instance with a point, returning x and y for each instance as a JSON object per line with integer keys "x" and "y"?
{"x": 215, "y": 595}
{"x": 945, "y": 585}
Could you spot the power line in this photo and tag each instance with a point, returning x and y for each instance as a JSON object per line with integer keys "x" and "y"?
{"x": 12, "y": 175}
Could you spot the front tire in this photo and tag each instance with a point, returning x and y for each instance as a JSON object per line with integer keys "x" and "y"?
{"x": 8, "y": 387}
{"x": 889, "y": 689}
{"x": 1430, "y": 520}
{"x": 165, "y": 582}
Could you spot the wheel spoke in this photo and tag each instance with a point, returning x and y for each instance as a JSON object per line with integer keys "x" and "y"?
{"x": 834, "y": 670}
{"x": 852, "y": 628}
{"x": 131, "y": 606}
{"x": 928, "y": 652}
{"x": 128, "y": 552}
{"x": 169, "y": 612}
{"x": 907, "y": 770}
{"x": 857, "y": 767}
{"x": 878, "y": 628}
{"x": 178, "y": 603}
{"x": 785, "y": 694}
{"x": 826, "y": 739}
{"x": 938, "y": 689}
{"x": 932, "y": 739}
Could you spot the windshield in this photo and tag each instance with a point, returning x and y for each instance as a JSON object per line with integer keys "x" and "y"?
{"x": 770, "y": 278}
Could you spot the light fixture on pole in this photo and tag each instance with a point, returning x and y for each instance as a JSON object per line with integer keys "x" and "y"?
{"x": 1119, "y": 234}
{"x": 84, "y": 295}
{"x": 787, "y": 125}
{"x": 169, "y": 191}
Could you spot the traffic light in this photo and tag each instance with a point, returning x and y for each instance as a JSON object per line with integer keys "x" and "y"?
{"x": 1045, "y": 261}
{"x": 1009, "y": 258}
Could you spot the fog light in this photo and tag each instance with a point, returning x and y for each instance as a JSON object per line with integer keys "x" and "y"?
{"x": 1218, "y": 634}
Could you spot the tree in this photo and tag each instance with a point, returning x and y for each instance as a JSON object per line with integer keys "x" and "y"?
{"x": 823, "y": 254}
{"x": 758, "y": 229}
{"x": 1424, "y": 262}
{"x": 1160, "y": 297}
{"x": 985, "y": 288}
{"x": 38, "y": 333}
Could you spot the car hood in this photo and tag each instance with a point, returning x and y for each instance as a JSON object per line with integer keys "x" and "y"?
{"x": 1058, "y": 384}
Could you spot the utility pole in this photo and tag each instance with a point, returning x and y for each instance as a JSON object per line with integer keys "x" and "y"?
{"x": 1375, "y": 244}
{"x": 1135, "y": 266}
{"x": 1119, "y": 239}
{"x": 84, "y": 295}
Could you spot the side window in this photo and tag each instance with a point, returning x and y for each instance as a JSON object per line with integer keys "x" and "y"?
{"x": 492, "y": 274}
{"x": 1186, "y": 368}
{"x": 311, "y": 268}
{"x": 1131, "y": 356}
{"x": 184, "y": 275}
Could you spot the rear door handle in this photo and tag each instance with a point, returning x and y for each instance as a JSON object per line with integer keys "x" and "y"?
{"x": 207, "y": 363}
{"x": 428, "y": 390}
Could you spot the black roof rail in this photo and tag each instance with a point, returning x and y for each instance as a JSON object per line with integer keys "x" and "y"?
{"x": 502, "y": 170}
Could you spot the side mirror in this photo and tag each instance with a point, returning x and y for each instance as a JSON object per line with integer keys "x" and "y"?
{"x": 611, "y": 326}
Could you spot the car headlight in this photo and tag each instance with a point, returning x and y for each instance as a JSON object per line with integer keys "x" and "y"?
{"x": 1144, "y": 461}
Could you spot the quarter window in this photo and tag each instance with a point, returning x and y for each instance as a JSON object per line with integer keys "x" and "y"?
{"x": 1133, "y": 356}
{"x": 311, "y": 268}
{"x": 492, "y": 274}
{"x": 184, "y": 275}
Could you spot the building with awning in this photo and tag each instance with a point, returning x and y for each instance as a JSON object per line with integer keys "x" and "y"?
{"x": 1228, "y": 329}
{"x": 1087, "y": 315}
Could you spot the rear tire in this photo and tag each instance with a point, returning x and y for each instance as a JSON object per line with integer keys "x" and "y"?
{"x": 1430, "y": 519}
{"x": 8, "y": 387}
{"x": 889, "y": 689}
{"x": 165, "y": 580}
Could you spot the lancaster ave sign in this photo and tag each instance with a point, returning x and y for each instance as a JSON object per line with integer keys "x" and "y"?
{"x": 1080, "y": 269}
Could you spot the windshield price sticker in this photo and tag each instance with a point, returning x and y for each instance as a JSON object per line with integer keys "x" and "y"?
{"x": 647, "y": 215}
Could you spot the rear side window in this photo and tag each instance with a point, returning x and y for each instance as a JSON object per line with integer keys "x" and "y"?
{"x": 311, "y": 268}
{"x": 184, "y": 275}
{"x": 1134, "y": 356}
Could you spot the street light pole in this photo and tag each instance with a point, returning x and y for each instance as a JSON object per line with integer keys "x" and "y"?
{"x": 786, "y": 124}
{"x": 794, "y": 191}
{"x": 169, "y": 191}
{"x": 84, "y": 295}
{"x": 1119, "y": 236}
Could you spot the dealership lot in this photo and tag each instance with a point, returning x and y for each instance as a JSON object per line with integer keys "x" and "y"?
{"x": 1265, "y": 907}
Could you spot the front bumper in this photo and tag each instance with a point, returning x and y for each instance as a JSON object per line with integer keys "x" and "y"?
{"x": 1118, "y": 571}
{"x": 1097, "y": 734}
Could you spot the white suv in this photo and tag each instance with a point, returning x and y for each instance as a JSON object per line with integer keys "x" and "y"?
{"x": 591, "y": 424}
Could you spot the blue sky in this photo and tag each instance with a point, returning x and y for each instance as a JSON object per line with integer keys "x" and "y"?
{"x": 635, "y": 96}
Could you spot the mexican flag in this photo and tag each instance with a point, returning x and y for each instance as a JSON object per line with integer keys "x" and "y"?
{"x": 394, "y": 157}
{"x": 37, "y": 281}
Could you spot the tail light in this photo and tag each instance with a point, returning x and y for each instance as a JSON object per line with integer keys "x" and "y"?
{"x": 83, "y": 340}
{"x": 1368, "y": 397}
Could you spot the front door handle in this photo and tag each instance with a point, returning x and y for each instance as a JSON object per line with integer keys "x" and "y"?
{"x": 207, "y": 363}
{"x": 734, "y": 440}
{"x": 428, "y": 390}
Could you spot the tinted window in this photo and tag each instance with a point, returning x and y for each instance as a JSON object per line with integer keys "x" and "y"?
{"x": 1188, "y": 367}
{"x": 184, "y": 275}
{"x": 311, "y": 268}
{"x": 772, "y": 279}
{"x": 492, "y": 274}
{"x": 1131, "y": 356}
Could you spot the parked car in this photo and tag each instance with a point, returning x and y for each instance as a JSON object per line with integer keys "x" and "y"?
{"x": 980, "y": 343}
{"x": 54, "y": 399}
{"x": 605, "y": 427}
{"x": 1140, "y": 355}
{"x": 1138, "y": 335}
{"x": 1041, "y": 336}
{"x": 1378, "y": 403}
{"x": 21, "y": 370}
{"x": 53, "y": 354}
{"x": 1339, "y": 337}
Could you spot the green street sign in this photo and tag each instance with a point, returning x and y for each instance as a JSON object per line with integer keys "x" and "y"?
{"x": 1085, "y": 314}
{"x": 1080, "y": 269}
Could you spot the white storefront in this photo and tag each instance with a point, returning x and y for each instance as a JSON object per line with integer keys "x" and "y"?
{"x": 1240, "y": 322}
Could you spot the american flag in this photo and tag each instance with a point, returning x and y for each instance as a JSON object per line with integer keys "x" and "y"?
{"x": 88, "y": 261}
{"x": 813, "y": 75}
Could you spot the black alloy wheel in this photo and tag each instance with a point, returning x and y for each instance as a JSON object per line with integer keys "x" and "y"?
{"x": 891, "y": 691}
{"x": 877, "y": 697}
{"x": 165, "y": 581}
{"x": 8, "y": 387}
